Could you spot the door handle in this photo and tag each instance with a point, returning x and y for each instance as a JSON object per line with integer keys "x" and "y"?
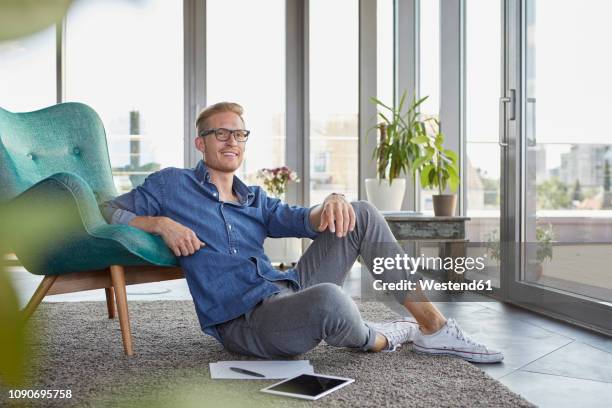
{"x": 502, "y": 114}
{"x": 530, "y": 119}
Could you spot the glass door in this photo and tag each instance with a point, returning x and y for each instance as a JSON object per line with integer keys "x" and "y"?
{"x": 558, "y": 183}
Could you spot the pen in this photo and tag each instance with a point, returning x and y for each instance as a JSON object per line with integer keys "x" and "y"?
{"x": 247, "y": 372}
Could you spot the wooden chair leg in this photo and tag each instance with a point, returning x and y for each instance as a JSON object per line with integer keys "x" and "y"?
{"x": 38, "y": 295}
{"x": 110, "y": 302}
{"x": 118, "y": 279}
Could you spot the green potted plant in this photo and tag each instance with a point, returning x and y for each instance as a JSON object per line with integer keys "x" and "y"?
{"x": 438, "y": 169}
{"x": 395, "y": 152}
{"x": 545, "y": 238}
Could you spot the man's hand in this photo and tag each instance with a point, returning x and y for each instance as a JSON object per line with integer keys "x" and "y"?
{"x": 337, "y": 214}
{"x": 180, "y": 239}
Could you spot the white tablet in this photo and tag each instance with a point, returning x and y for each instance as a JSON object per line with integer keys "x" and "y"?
{"x": 308, "y": 386}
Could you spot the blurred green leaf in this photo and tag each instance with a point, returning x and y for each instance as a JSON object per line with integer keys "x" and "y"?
{"x": 21, "y": 222}
{"x": 19, "y": 18}
{"x": 422, "y": 138}
{"x": 13, "y": 349}
{"x": 452, "y": 155}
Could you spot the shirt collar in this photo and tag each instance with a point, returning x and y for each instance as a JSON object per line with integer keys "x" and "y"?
{"x": 244, "y": 193}
{"x": 201, "y": 172}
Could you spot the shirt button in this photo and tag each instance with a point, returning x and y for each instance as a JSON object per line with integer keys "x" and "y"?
{"x": 229, "y": 226}
{"x": 234, "y": 251}
{"x": 215, "y": 194}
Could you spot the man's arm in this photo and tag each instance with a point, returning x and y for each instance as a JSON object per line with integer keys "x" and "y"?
{"x": 180, "y": 239}
{"x": 142, "y": 208}
{"x": 335, "y": 213}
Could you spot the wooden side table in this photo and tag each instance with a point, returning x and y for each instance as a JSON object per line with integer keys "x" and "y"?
{"x": 448, "y": 231}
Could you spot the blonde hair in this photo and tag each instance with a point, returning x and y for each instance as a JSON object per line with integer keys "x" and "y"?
{"x": 217, "y": 108}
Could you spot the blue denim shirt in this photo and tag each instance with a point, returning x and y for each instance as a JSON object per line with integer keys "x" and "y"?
{"x": 231, "y": 274}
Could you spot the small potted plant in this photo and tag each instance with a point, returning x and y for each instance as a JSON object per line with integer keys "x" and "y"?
{"x": 395, "y": 152}
{"x": 438, "y": 169}
{"x": 285, "y": 251}
{"x": 545, "y": 237}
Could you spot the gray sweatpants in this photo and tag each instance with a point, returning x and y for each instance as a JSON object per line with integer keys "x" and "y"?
{"x": 293, "y": 321}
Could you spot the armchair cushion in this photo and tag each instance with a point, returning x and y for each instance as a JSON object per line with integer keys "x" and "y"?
{"x": 68, "y": 137}
{"x": 57, "y": 228}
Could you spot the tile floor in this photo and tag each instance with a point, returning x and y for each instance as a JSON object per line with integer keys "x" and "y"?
{"x": 550, "y": 363}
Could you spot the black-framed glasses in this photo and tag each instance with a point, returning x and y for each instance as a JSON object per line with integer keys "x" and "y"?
{"x": 223, "y": 134}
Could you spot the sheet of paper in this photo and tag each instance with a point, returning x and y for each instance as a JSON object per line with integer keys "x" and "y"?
{"x": 271, "y": 369}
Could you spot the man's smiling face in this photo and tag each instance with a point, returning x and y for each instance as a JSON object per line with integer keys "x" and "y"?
{"x": 224, "y": 156}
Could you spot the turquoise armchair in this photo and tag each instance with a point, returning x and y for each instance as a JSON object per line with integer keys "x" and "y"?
{"x": 54, "y": 172}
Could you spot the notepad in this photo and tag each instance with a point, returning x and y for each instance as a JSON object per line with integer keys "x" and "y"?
{"x": 271, "y": 369}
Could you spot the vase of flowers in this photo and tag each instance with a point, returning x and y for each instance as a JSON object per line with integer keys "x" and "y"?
{"x": 284, "y": 251}
{"x": 275, "y": 180}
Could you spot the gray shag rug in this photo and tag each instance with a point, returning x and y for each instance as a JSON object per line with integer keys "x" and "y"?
{"x": 78, "y": 348}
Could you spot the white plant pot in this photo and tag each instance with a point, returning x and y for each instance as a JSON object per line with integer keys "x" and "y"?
{"x": 283, "y": 250}
{"x": 385, "y": 196}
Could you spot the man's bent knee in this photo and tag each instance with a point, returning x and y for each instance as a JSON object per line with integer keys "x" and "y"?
{"x": 366, "y": 213}
{"x": 363, "y": 206}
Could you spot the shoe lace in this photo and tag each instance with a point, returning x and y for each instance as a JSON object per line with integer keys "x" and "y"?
{"x": 454, "y": 330}
{"x": 397, "y": 334}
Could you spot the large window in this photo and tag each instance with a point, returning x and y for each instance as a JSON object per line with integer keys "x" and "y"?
{"x": 125, "y": 60}
{"x": 385, "y": 51}
{"x": 27, "y": 72}
{"x": 568, "y": 146}
{"x": 482, "y": 91}
{"x": 429, "y": 56}
{"x": 429, "y": 73}
{"x": 245, "y": 63}
{"x": 334, "y": 99}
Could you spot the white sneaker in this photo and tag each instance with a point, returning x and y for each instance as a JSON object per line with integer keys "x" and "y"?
{"x": 397, "y": 332}
{"x": 451, "y": 340}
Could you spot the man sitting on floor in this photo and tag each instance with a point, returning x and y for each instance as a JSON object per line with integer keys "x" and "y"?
{"x": 216, "y": 225}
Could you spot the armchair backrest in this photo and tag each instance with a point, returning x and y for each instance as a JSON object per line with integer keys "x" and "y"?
{"x": 68, "y": 137}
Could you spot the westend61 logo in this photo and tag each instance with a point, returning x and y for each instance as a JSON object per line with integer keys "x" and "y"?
{"x": 409, "y": 263}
